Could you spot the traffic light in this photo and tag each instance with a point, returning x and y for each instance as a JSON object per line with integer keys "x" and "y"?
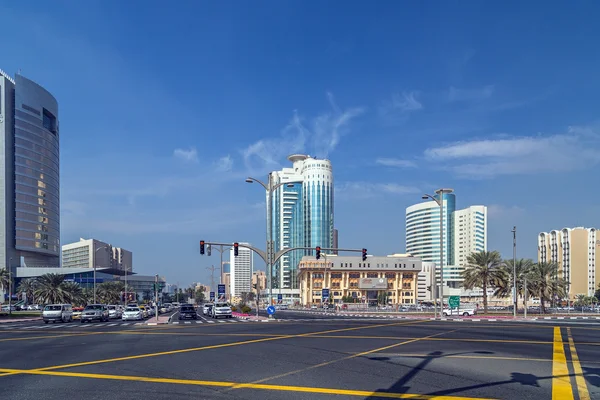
{"x": 318, "y": 252}
{"x": 202, "y": 247}
{"x": 208, "y": 249}
{"x": 235, "y": 249}
{"x": 364, "y": 254}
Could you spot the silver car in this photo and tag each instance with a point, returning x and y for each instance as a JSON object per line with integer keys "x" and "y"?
{"x": 94, "y": 312}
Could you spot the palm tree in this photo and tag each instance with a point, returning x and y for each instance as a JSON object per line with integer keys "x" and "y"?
{"x": 73, "y": 293}
{"x": 505, "y": 288}
{"x": 545, "y": 282}
{"x": 4, "y": 278}
{"x": 483, "y": 270}
{"x": 50, "y": 289}
{"x": 27, "y": 286}
{"x": 110, "y": 292}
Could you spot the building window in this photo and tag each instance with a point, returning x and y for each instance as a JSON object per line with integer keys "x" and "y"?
{"x": 49, "y": 121}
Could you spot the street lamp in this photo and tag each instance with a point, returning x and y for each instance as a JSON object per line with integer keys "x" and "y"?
{"x": 99, "y": 248}
{"x": 440, "y": 201}
{"x": 269, "y": 188}
{"x": 10, "y": 287}
{"x": 514, "y": 232}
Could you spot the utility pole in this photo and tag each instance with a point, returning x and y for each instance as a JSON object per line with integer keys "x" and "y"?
{"x": 525, "y": 294}
{"x": 212, "y": 269}
{"x": 221, "y": 249}
{"x": 515, "y": 302}
{"x": 156, "y": 296}
{"x": 10, "y": 287}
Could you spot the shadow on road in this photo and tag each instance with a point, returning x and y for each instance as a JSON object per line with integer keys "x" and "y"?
{"x": 592, "y": 375}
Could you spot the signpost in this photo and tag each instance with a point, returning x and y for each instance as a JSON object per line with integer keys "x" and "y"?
{"x": 212, "y": 297}
{"x": 454, "y": 302}
{"x": 221, "y": 292}
{"x": 325, "y": 295}
{"x": 271, "y": 311}
{"x": 279, "y": 298}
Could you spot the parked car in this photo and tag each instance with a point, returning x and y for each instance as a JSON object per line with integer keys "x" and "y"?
{"x": 462, "y": 311}
{"x": 132, "y": 313}
{"x": 95, "y": 312}
{"x": 221, "y": 310}
{"x": 57, "y": 312}
{"x": 187, "y": 311}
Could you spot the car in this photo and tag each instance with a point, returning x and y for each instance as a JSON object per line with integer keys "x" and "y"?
{"x": 132, "y": 313}
{"x": 187, "y": 311}
{"x": 77, "y": 312}
{"x": 57, "y": 312}
{"x": 114, "y": 312}
{"x": 94, "y": 312}
{"x": 221, "y": 310}
{"x": 207, "y": 309}
{"x": 466, "y": 312}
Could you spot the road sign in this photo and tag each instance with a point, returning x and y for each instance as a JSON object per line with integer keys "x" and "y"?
{"x": 270, "y": 310}
{"x": 279, "y": 297}
{"x": 212, "y": 296}
{"x": 221, "y": 292}
{"x": 454, "y": 301}
{"x": 325, "y": 294}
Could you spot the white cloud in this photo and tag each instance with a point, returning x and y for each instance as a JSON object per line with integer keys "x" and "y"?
{"x": 576, "y": 150}
{"x": 455, "y": 94}
{"x": 224, "y": 164}
{"x": 319, "y": 136}
{"x": 397, "y": 109}
{"x": 354, "y": 190}
{"x": 190, "y": 155}
{"x": 395, "y": 162}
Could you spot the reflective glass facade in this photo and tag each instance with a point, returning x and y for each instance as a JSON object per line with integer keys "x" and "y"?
{"x": 34, "y": 162}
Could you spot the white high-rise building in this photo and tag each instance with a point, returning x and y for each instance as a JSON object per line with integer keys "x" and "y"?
{"x": 241, "y": 271}
{"x": 302, "y": 216}
{"x": 470, "y": 236}
{"x": 90, "y": 253}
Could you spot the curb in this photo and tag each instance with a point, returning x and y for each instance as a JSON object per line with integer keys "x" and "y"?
{"x": 561, "y": 318}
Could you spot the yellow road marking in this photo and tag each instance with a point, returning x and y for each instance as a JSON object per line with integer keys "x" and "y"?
{"x": 323, "y": 364}
{"x": 284, "y": 388}
{"x": 216, "y": 346}
{"x": 434, "y": 339}
{"x": 424, "y": 355}
{"x": 579, "y": 378}
{"x": 561, "y": 381}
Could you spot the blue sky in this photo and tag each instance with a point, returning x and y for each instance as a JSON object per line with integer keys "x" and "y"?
{"x": 165, "y": 110}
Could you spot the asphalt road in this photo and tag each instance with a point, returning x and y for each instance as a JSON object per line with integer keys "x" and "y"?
{"x": 319, "y": 358}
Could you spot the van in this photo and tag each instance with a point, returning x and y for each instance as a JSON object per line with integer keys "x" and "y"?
{"x": 57, "y": 312}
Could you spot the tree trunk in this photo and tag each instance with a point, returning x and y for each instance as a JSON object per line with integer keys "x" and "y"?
{"x": 542, "y": 302}
{"x": 484, "y": 287}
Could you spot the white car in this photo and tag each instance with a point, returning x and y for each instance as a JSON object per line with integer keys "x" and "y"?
{"x": 114, "y": 312}
{"x": 466, "y": 312}
{"x": 207, "y": 309}
{"x": 132, "y": 313}
{"x": 221, "y": 310}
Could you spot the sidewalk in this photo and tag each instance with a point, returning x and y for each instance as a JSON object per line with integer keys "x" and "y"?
{"x": 11, "y": 320}
{"x": 250, "y": 317}
{"x": 162, "y": 319}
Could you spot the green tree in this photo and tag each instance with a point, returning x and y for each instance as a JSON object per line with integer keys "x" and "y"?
{"x": 4, "y": 279}
{"x": 27, "y": 286}
{"x": 73, "y": 293}
{"x": 110, "y": 292}
{"x": 483, "y": 270}
{"x": 505, "y": 286}
{"x": 199, "y": 295}
{"x": 50, "y": 289}
{"x": 546, "y": 283}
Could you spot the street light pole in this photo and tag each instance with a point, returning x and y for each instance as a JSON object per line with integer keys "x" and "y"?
{"x": 10, "y": 287}
{"x": 94, "y": 260}
{"x": 269, "y": 188}
{"x": 440, "y": 202}
{"x": 156, "y": 296}
{"x": 514, "y": 232}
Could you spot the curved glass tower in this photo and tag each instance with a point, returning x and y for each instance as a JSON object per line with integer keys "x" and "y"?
{"x": 31, "y": 192}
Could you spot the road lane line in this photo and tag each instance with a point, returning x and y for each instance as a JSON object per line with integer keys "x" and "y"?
{"x": 231, "y": 344}
{"x": 280, "y": 388}
{"x": 323, "y": 364}
{"x": 561, "y": 381}
{"x": 49, "y": 336}
{"x": 579, "y": 378}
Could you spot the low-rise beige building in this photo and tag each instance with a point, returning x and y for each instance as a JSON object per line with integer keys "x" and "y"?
{"x": 349, "y": 276}
{"x": 575, "y": 250}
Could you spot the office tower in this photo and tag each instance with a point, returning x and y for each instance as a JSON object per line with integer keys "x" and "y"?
{"x": 470, "y": 236}
{"x": 302, "y": 215}
{"x": 575, "y": 251}
{"x": 240, "y": 271}
{"x": 423, "y": 230}
{"x": 29, "y": 174}
{"x": 90, "y": 253}
{"x": 335, "y": 241}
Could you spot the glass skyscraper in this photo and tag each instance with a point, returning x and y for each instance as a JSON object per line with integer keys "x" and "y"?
{"x": 302, "y": 213}
{"x": 29, "y": 174}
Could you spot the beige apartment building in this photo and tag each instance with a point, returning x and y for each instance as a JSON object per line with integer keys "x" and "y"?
{"x": 575, "y": 251}
{"x": 259, "y": 281}
{"x": 349, "y": 276}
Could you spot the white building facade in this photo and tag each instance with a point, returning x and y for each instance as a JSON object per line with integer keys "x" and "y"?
{"x": 90, "y": 253}
{"x": 470, "y": 236}
{"x": 241, "y": 271}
